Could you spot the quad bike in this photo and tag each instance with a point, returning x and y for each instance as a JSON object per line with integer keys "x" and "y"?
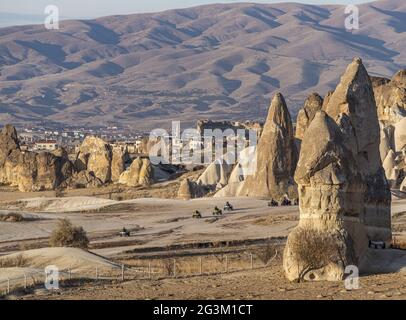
{"x": 217, "y": 212}
{"x": 273, "y": 203}
{"x": 125, "y": 234}
{"x": 197, "y": 215}
{"x": 228, "y": 208}
{"x": 286, "y": 202}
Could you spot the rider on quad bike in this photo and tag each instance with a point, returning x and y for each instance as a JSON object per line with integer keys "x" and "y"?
{"x": 217, "y": 211}
{"x": 197, "y": 214}
{"x": 228, "y": 207}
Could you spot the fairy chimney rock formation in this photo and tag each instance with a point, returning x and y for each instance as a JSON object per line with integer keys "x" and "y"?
{"x": 276, "y": 156}
{"x": 30, "y": 171}
{"x": 344, "y": 195}
{"x": 95, "y": 155}
{"x": 312, "y": 104}
{"x": 139, "y": 173}
{"x": 118, "y": 161}
{"x": 185, "y": 191}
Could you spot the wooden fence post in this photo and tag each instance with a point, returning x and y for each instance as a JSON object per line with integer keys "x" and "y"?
{"x": 25, "y": 281}
{"x": 252, "y": 261}
{"x": 97, "y": 273}
{"x": 122, "y": 272}
{"x": 226, "y": 263}
{"x": 174, "y": 267}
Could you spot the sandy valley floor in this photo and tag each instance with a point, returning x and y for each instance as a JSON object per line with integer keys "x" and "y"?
{"x": 163, "y": 227}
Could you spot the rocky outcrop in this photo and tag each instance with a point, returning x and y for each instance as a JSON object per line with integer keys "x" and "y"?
{"x": 244, "y": 168}
{"x": 140, "y": 173}
{"x": 399, "y": 135}
{"x": 353, "y": 108}
{"x": 83, "y": 179}
{"x": 119, "y": 158}
{"x": 276, "y": 156}
{"x": 30, "y": 171}
{"x": 218, "y": 172}
{"x": 305, "y": 116}
{"x": 185, "y": 191}
{"x": 390, "y": 96}
{"x": 343, "y": 191}
{"x": 331, "y": 194}
{"x": 95, "y": 155}
{"x": 391, "y": 169}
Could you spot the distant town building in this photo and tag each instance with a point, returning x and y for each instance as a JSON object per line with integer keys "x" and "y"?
{"x": 49, "y": 145}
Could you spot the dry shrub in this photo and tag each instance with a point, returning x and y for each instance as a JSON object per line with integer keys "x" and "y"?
{"x": 12, "y": 217}
{"x": 314, "y": 250}
{"x": 268, "y": 252}
{"x": 167, "y": 265}
{"x": 68, "y": 235}
{"x": 18, "y": 261}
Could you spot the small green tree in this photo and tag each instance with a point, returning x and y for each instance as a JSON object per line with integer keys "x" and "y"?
{"x": 67, "y": 235}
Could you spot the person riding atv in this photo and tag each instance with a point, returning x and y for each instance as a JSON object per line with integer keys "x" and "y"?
{"x": 228, "y": 207}
{"x": 273, "y": 203}
{"x": 286, "y": 202}
{"x": 124, "y": 233}
{"x": 197, "y": 214}
{"x": 217, "y": 211}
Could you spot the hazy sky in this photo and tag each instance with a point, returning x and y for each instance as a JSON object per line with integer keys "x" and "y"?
{"x": 97, "y": 8}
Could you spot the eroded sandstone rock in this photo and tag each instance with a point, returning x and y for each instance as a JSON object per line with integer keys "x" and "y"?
{"x": 343, "y": 191}
{"x": 185, "y": 191}
{"x": 390, "y": 96}
{"x": 276, "y": 156}
{"x": 312, "y": 104}
{"x": 139, "y": 173}
{"x": 95, "y": 155}
{"x": 30, "y": 171}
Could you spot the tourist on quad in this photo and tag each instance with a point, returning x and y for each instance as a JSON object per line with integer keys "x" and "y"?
{"x": 217, "y": 211}
{"x": 124, "y": 232}
{"x": 228, "y": 207}
{"x": 197, "y": 214}
{"x": 286, "y": 201}
{"x": 273, "y": 203}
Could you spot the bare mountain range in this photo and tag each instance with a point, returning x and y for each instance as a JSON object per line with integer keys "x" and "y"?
{"x": 221, "y": 61}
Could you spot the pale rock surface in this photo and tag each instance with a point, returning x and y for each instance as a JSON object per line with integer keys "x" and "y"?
{"x": 331, "y": 194}
{"x": 30, "y": 171}
{"x": 218, "y": 172}
{"x": 244, "y": 167}
{"x": 391, "y": 169}
{"x": 386, "y": 140}
{"x": 342, "y": 187}
{"x": 185, "y": 191}
{"x": 276, "y": 156}
{"x": 139, "y": 173}
{"x": 95, "y": 155}
{"x": 312, "y": 104}
{"x": 390, "y": 96}
{"x": 119, "y": 158}
{"x": 400, "y": 135}
{"x": 353, "y": 107}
